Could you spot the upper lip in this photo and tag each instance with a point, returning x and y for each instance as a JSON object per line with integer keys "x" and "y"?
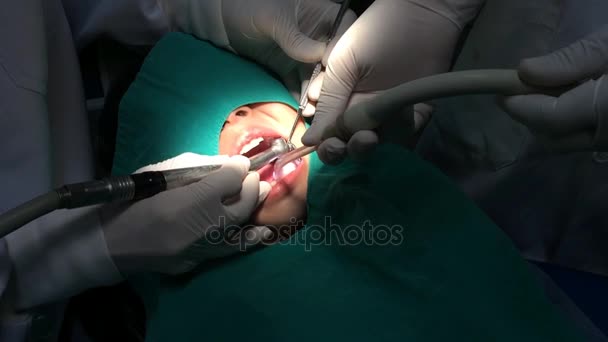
{"x": 251, "y": 134}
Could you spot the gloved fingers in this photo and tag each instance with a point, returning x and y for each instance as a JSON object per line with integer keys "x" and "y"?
{"x": 264, "y": 190}
{"x": 584, "y": 59}
{"x": 422, "y": 115}
{"x": 298, "y": 46}
{"x": 241, "y": 206}
{"x": 362, "y": 144}
{"x": 321, "y": 15}
{"x": 347, "y": 21}
{"x": 224, "y": 242}
{"x": 228, "y": 180}
{"x": 314, "y": 90}
{"x": 332, "y": 151}
{"x": 224, "y": 187}
{"x": 338, "y": 84}
{"x": 572, "y": 111}
{"x": 309, "y": 110}
{"x": 295, "y": 43}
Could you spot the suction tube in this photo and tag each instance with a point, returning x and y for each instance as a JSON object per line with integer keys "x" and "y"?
{"x": 84, "y": 194}
{"x": 28, "y": 212}
{"x": 371, "y": 114}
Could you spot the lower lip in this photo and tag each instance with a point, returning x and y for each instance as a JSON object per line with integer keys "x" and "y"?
{"x": 279, "y": 186}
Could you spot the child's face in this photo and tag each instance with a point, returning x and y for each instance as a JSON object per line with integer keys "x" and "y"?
{"x": 287, "y": 198}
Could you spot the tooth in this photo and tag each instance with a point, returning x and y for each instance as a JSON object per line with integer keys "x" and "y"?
{"x": 252, "y": 144}
{"x": 287, "y": 169}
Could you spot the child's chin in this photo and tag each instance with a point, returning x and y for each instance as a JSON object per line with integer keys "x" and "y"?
{"x": 268, "y": 215}
{"x": 282, "y": 228}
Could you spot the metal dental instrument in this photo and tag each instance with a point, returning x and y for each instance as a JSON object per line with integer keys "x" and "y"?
{"x": 318, "y": 67}
{"x": 123, "y": 188}
{"x": 371, "y": 114}
{"x": 278, "y": 147}
{"x": 180, "y": 177}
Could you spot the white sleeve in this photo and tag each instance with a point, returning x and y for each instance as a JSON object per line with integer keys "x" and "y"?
{"x": 13, "y": 327}
{"x": 58, "y": 256}
{"x": 44, "y": 143}
{"x": 131, "y": 22}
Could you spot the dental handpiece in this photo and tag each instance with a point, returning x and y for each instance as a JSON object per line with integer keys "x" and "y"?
{"x": 123, "y": 188}
{"x": 180, "y": 177}
{"x": 369, "y": 115}
{"x": 146, "y": 184}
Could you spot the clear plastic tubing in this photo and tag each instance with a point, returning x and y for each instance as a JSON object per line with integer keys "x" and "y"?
{"x": 290, "y": 157}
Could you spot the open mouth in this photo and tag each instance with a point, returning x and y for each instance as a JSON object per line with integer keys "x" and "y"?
{"x": 258, "y": 140}
{"x": 254, "y": 140}
{"x": 256, "y": 146}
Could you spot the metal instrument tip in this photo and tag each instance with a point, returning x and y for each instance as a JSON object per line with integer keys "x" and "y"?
{"x": 295, "y": 124}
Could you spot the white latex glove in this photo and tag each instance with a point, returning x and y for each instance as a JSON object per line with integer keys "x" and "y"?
{"x": 175, "y": 230}
{"x": 69, "y": 251}
{"x": 283, "y": 35}
{"x": 393, "y": 41}
{"x": 578, "y": 119}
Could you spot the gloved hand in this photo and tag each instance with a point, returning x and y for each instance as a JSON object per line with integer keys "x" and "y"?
{"x": 578, "y": 119}
{"x": 66, "y": 252}
{"x": 402, "y": 127}
{"x": 175, "y": 230}
{"x": 276, "y": 33}
{"x": 393, "y": 41}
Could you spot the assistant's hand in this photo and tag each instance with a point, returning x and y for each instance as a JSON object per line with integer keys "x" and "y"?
{"x": 175, "y": 230}
{"x": 402, "y": 127}
{"x": 578, "y": 119}
{"x": 280, "y": 34}
{"x": 392, "y": 42}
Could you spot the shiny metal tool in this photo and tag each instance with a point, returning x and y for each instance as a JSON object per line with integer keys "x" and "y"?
{"x": 318, "y": 67}
{"x": 269, "y": 150}
{"x": 278, "y": 147}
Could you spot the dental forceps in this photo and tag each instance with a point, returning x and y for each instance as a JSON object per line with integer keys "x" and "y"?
{"x": 318, "y": 67}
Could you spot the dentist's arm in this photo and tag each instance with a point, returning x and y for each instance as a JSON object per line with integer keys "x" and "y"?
{"x": 13, "y": 327}
{"x": 69, "y": 251}
{"x": 284, "y": 35}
